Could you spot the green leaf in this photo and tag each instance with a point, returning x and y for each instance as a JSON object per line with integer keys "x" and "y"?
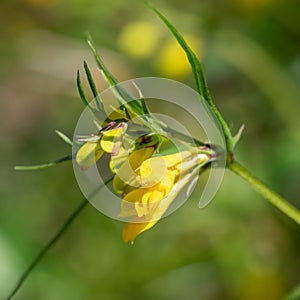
{"x": 93, "y": 86}
{"x": 85, "y": 100}
{"x": 122, "y": 95}
{"x": 200, "y": 80}
{"x": 199, "y": 77}
{"x": 64, "y": 137}
{"x": 108, "y": 76}
{"x": 81, "y": 91}
{"x": 237, "y": 137}
{"x": 43, "y": 166}
{"x": 144, "y": 106}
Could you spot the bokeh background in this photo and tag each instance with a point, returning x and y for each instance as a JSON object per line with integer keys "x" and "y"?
{"x": 238, "y": 247}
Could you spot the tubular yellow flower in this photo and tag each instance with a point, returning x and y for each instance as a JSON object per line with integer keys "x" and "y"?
{"x": 111, "y": 140}
{"x": 161, "y": 179}
{"x": 88, "y": 154}
{"x": 108, "y": 140}
{"x": 126, "y": 168}
{"x": 125, "y": 165}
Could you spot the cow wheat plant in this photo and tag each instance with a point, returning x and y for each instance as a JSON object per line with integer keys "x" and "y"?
{"x": 160, "y": 171}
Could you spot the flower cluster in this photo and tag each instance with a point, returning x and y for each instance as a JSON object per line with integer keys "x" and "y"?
{"x": 148, "y": 168}
{"x": 159, "y": 180}
{"x": 147, "y": 180}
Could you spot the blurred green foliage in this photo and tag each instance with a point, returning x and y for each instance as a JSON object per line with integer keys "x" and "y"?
{"x": 238, "y": 247}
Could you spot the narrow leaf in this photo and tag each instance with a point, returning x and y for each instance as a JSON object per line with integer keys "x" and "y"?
{"x": 122, "y": 95}
{"x": 43, "y": 166}
{"x": 199, "y": 77}
{"x": 201, "y": 85}
{"x": 85, "y": 99}
{"x": 110, "y": 78}
{"x": 237, "y": 137}
{"x": 64, "y": 137}
{"x": 93, "y": 86}
{"x": 81, "y": 91}
{"x": 144, "y": 106}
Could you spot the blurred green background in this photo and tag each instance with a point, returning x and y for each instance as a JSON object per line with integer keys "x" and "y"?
{"x": 238, "y": 247}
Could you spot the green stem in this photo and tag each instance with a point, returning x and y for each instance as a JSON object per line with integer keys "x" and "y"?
{"x": 46, "y": 248}
{"x": 43, "y": 166}
{"x": 265, "y": 191}
{"x": 52, "y": 241}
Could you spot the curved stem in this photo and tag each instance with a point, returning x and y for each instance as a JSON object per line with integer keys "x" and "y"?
{"x": 52, "y": 241}
{"x": 275, "y": 199}
{"x": 46, "y": 248}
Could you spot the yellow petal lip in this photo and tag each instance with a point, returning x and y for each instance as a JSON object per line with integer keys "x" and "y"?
{"x": 137, "y": 157}
{"x": 132, "y": 230}
{"x": 140, "y": 198}
{"x": 125, "y": 173}
{"x": 135, "y": 195}
{"x": 112, "y": 137}
{"x": 154, "y": 169}
{"x": 115, "y": 132}
{"x": 88, "y": 154}
{"x": 107, "y": 144}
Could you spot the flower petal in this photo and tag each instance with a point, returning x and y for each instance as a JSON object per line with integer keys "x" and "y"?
{"x": 110, "y": 138}
{"x": 132, "y": 230}
{"x": 88, "y": 155}
{"x": 167, "y": 182}
{"x": 152, "y": 170}
{"x": 126, "y": 174}
{"x": 137, "y": 157}
{"x": 136, "y": 196}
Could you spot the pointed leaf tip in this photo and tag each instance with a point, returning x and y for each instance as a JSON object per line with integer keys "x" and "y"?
{"x": 81, "y": 91}
{"x": 237, "y": 137}
{"x": 64, "y": 137}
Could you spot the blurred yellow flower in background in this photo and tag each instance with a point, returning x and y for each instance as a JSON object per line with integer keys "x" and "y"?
{"x": 172, "y": 61}
{"x": 139, "y": 39}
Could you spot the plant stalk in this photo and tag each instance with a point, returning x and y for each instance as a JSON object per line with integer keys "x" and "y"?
{"x": 46, "y": 248}
{"x": 52, "y": 241}
{"x": 275, "y": 199}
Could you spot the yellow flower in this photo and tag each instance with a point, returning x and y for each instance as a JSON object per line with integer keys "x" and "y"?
{"x": 125, "y": 170}
{"x": 108, "y": 140}
{"x": 160, "y": 180}
{"x": 172, "y": 61}
{"x": 125, "y": 165}
{"x": 88, "y": 154}
{"x": 139, "y": 39}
